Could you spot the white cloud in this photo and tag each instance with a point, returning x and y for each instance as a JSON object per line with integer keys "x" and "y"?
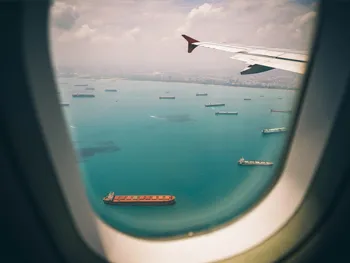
{"x": 85, "y": 32}
{"x": 64, "y": 15}
{"x": 204, "y": 10}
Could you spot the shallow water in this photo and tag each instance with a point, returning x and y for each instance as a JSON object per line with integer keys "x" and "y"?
{"x": 131, "y": 142}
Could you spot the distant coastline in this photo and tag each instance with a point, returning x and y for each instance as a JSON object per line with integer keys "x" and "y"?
{"x": 216, "y": 83}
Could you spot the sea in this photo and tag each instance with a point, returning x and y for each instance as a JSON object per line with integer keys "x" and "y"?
{"x": 133, "y": 143}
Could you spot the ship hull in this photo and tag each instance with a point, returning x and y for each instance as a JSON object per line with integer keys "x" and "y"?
{"x": 226, "y": 113}
{"x": 248, "y": 164}
{"x": 214, "y": 105}
{"x": 282, "y": 111}
{"x": 166, "y": 98}
{"x": 83, "y": 96}
{"x": 273, "y": 132}
{"x": 172, "y": 202}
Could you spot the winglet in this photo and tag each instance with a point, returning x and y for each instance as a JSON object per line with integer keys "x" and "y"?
{"x": 191, "y": 42}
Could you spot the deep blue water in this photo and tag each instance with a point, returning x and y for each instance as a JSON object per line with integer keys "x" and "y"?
{"x": 142, "y": 145}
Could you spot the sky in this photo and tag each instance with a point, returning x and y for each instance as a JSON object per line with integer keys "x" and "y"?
{"x": 145, "y": 35}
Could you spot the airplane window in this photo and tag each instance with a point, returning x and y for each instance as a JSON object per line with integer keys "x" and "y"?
{"x": 191, "y": 101}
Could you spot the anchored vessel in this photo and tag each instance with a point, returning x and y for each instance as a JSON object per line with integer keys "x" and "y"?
{"x": 287, "y": 111}
{"x": 64, "y": 104}
{"x": 201, "y": 94}
{"x": 274, "y": 130}
{"x": 110, "y": 90}
{"x": 263, "y": 163}
{"x": 113, "y": 199}
{"x": 82, "y": 95}
{"x": 226, "y": 113}
{"x": 247, "y": 99}
{"x": 167, "y": 97}
{"x": 214, "y": 104}
{"x": 88, "y": 88}
{"x": 81, "y": 85}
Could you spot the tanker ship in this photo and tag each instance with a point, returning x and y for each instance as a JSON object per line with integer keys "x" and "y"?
{"x": 112, "y": 199}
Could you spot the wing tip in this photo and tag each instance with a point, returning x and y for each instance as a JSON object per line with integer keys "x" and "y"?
{"x": 190, "y": 42}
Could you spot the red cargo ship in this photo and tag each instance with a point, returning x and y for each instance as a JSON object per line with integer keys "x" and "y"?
{"x": 112, "y": 199}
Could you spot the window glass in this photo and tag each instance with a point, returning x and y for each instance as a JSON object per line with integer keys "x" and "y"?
{"x": 205, "y": 130}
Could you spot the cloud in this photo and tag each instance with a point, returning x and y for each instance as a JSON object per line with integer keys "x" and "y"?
{"x": 146, "y": 35}
{"x": 205, "y": 11}
{"x": 64, "y": 15}
{"x": 85, "y": 32}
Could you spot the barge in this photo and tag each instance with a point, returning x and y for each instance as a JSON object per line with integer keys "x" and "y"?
{"x": 215, "y": 105}
{"x": 167, "y": 97}
{"x": 112, "y": 199}
{"x": 226, "y": 113}
{"x": 251, "y": 163}
{"x": 274, "y": 130}
{"x": 82, "y": 95}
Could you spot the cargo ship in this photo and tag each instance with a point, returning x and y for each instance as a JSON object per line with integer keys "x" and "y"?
{"x": 64, "y": 104}
{"x": 82, "y": 95}
{"x": 247, "y": 99}
{"x": 201, "y": 94}
{"x": 81, "y": 85}
{"x": 214, "y": 105}
{"x": 226, "y": 113}
{"x": 262, "y": 163}
{"x": 112, "y": 199}
{"x": 88, "y": 88}
{"x": 274, "y": 130}
{"x": 167, "y": 97}
{"x": 111, "y": 90}
{"x": 286, "y": 111}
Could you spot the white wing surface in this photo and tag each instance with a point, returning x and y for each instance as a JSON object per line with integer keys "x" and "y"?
{"x": 259, "y": 59}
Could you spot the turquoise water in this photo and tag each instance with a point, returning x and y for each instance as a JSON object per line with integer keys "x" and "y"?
{"x": 175, "y": 147}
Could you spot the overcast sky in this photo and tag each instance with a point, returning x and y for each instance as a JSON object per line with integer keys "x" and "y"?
{"x": 146, "y": 34}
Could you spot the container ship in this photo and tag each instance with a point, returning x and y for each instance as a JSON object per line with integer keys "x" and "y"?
{"x": 167, "y": 97}
{"x": 226, "y": 113}
{"x": 82, "y": 95}
{"x": 112, "y": 199}
{"x": 214, "y": 105}
{"x": 111, "y": 90}
{"x": 81, "y": 85}
{"x": 262, "y": 163}
{"x": 286, "y": 111}
{"x": 274, "y": 130}
{"x": 201, "y": 94}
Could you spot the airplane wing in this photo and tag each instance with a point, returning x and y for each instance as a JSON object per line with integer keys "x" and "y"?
{"x": 259, "y": 59}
